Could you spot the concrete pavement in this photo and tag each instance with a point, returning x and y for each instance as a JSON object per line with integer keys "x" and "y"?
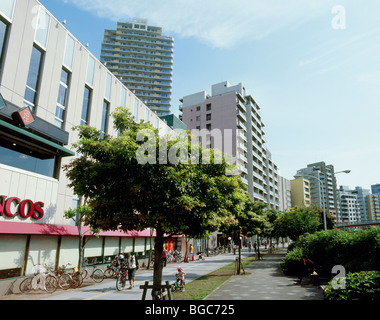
{"x": 106, "y": 290}
{"x": 264, "y": 280}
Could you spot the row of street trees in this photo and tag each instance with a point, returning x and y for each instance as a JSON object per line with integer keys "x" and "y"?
{"x": 184, "y": 196}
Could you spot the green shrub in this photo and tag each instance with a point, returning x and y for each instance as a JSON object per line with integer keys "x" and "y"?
{"x": 363, "y": 285}
{"x": 354, "y": 250}
{"x": 291, "y": 263}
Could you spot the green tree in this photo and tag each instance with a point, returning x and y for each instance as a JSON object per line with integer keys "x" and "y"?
{"x": 129, "y": 186}
{"x": 247, "y": 219}
{"x": 297, "y": 221}
{"x": 271, "y": 215}
{"x": 78, "y": 215}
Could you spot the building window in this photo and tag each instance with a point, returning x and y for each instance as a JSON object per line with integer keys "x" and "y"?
{"x": 69, "y": 52}
{"x": 42, "y": 28}
{"x": 208, "y": 107}
{"x": 208, "y": 116}
{"x": 3, "y": 37}
{"x": 198, "y": 118}
{"x": 104, "y": 125}
{"x": 6, "y": 8}
{"x": 86, "y": 106}
{"x": 208, "y": 127}
{"x": 17, "y": 154}
{"x": 123, "y": 96}
{"x": 32, "y": 83}
{"x": 107, "y": 93}
{"x": 90, "y": 71}
{"x": 62, "y": 99}
{"x": 136, "y": 110}
{"x": 199, "y": 108}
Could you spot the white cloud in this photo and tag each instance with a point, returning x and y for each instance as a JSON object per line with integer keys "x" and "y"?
{"x": 220, "y": 23}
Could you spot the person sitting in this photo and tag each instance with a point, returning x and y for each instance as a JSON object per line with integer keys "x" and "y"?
{"x": 306, "y": 269}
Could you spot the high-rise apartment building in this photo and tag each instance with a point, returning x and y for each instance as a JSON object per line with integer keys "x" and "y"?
{"x": 142, "y": 58}
{"x": 230, "y": 120}
{"x": 322, "y": 185}
{"x": 350, "y": 209}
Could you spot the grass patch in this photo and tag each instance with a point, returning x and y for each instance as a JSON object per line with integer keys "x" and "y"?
{"x": 204, "y": 285}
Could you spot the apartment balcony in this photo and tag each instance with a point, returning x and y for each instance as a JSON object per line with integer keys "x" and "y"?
{"x": 241, "y": 115}
{"x": 241, "y": 135}
{"x": 241, "y": 125}
{"x": 244, "y": 180}
{"x": 242, "y": 147}
{"x": 242, "y": 158}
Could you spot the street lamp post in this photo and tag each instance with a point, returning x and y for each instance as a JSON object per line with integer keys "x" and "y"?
{"x": 321, "y": 190}
{"x": 339, "y": 209}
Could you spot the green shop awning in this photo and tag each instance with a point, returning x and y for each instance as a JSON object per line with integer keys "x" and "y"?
{"x": 64, "y": 152}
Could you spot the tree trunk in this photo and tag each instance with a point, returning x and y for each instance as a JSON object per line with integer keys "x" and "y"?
{"x": 150, "y": 249}
{"x": 157, "y": 267}
{"x": 81, "y": 248}
{"x": 239, "y": 260}
{"x": 258, "y": 248}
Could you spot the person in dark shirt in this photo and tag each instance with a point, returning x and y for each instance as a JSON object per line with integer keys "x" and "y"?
{"x": 306, "y": 268}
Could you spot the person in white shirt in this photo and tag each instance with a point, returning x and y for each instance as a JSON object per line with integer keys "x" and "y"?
{"x": 131, "y": 260}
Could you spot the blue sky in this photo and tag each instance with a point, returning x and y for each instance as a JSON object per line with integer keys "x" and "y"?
{"x": 314, "y": 71}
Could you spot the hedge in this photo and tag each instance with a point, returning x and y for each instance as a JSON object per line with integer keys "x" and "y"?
{"x": 355, "y": 250}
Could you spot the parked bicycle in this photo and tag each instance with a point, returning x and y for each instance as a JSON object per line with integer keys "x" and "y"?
{"x": 42, "y": 279}
{"x": 65, "y": 281}
{"x": 68, "y": 279}
{"x": 96, "y": 274}
{"x": 112, "y": 268}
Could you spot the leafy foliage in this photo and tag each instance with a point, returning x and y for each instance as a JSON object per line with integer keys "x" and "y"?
{"x": 364, "y": 285}
{"x": 297, "y": 221}
{"x": 355, "y": 250}
{"x": 175, "y": 197}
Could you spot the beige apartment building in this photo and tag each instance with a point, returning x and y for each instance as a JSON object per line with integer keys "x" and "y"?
{"x": 230, "y": 120}
{"x": 300, "y": 190}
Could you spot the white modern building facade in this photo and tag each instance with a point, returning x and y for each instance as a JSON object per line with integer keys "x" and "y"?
{"x": 46, "y": 75}
{"x": 230, "y": 120}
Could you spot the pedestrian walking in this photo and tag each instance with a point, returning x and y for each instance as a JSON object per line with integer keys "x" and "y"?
{"x": 191, "y": 250}
{"x": 131, "y": 260}
{"x": 164, "y": 256}
{"x": 234, "y": 247}
{"x": 249, "y": 246}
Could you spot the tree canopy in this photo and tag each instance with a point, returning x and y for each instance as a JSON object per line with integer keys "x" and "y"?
{"x": 128, "y": 187}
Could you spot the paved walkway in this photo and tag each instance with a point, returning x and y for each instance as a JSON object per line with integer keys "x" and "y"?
{"x": 264, "y": 280}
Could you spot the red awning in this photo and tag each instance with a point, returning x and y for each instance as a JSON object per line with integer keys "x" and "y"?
{"x": 56, "y": 230}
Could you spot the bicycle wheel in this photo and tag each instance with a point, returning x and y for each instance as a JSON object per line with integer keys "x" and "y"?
{"x": 174, "y": 287}
{"x": 26, "y": 285}
{"x": 84, "y": 273}
{"x": 109, "y": 273}
{"x": 121, "y": 281}
{"x": 97, "y": 275}
{"x": 77, "y": 280}
{"x": 65, "y": 281}
{"x": 51, "y": 284}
